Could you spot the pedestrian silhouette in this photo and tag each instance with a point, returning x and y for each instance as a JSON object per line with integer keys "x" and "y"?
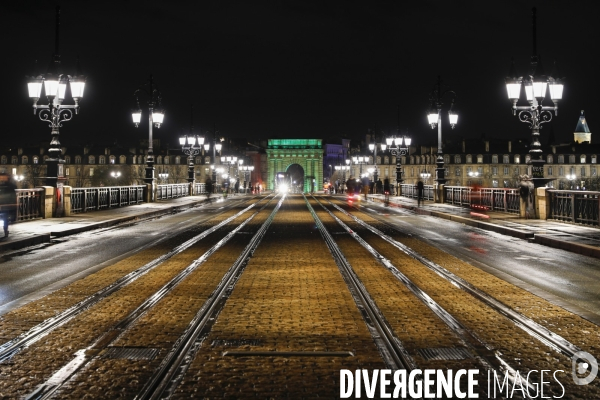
{"x": 8, "y": 201}
{"x": 420, "y": 190}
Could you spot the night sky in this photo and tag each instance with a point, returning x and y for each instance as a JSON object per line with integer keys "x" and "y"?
{"x": 318, "y": 69}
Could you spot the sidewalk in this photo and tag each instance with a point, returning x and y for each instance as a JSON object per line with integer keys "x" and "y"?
{"x": 28, "y": 233}
{"x": 574, "y": 238}
{"x": 570, "y": 237}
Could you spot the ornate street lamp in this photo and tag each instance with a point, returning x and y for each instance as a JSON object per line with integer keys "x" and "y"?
{"x": 55, "y": 112}
{"x": 247, "y": 169}
{"x": 156, "y": 116}
{"x": 115, "y": 174}
{"x": 192, "y": 145}
{"x": 360, "y": 160}
{"x": 425, "y": 175}
{"x": 163, "y": 176}
{"x": 535, "y": 114}
{"x": 229, "y": 161}
{"x": 398, "y": 147}
{"x": 571, "y": 178}
{"x": 434, "y": 116}
{"x": 373, "y": 148}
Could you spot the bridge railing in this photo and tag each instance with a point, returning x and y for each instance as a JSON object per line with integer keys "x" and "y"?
{"x": 411, "y": 191}
{"x": 172, "y": 191}
{"x": 199, "y": 188}
{"x": 498, "y": 199}
{"x": 579, "y": 207}
{"x": 29, "y": 203}
{"x": 98, "y": 198}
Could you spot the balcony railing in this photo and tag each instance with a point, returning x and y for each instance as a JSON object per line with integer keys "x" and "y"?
{"x": 98, "y": 198}
{"x": 29, "y": 203}
{"x": 580, "y": 207}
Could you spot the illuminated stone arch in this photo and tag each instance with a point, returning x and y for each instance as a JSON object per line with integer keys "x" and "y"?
{"x": 308, "y": 153}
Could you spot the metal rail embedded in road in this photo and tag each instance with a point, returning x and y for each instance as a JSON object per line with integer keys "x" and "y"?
{"x": 536, "y": 330}
{"x": 84, "y": 356}
{"x": 392, "y": 350}
{"x": 10, "y": 348}
{"x": 166, "y": 378}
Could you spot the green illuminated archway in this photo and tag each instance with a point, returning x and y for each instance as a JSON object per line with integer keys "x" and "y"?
{"x": 308, "y": 153}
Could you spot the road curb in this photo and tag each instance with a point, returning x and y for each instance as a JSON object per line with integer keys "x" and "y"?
{"x": 584, "y": 249}
{"x": 543, "y": 239}
{"x": 45, "y": 237}
{"x": 25, "y": 242}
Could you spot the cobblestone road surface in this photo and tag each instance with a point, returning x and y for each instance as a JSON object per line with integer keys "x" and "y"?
{"x": 290, "y": 302}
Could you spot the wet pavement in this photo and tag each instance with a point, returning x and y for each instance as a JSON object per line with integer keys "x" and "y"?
{"x": 571, "y": 237}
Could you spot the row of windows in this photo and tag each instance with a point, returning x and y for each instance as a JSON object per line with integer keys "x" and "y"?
{"x": 495, "y": 171}
{"x": 102, "y": 159}
{"x": 517, "y": 159}
{"x": 550, "y": 171}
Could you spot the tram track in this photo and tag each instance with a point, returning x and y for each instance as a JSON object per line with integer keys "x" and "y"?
{"x": 212, "y": 332}
{"x": 166, "y": 378}
{"x": 84, "y": 356}
{"x": 10, "y": 348}
{"x": 62, "y": 322}
{"x": 535, "y": 330}
{"x": 392, "y": 350}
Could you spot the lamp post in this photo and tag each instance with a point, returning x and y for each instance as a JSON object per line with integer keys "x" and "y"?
{"x": 192, "y": 146}
{"x": 535, "y": 114}
{"x": 163, "y": 176}
{"x": 425, "y": 175}
{"x": 571, "y": 178}
{"x": 373, "y": 171}
{"x": 18, "y": 178}
{"x": 373, "y": 148}
{"x": 217, "y": 146}
{"x": 398, "y": 147}
{"x": 343, "y": 168}
{"x": 360, "y": 160}
{"x": 473, "y": 174}
{"x": 247, "y": 169}
{"x": 115, "y": 174}
{"x": 229, "y": 161}
{"x": 155, "y": 118}
{"x": 434, "y": 116}
{"x": 55, "y": 112}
